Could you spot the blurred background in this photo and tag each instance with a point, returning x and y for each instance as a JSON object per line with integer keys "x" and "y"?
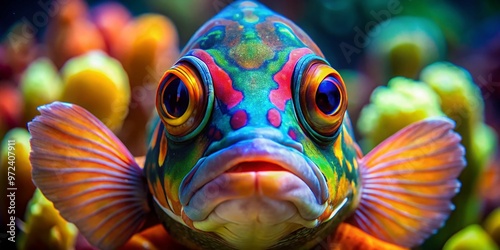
{"x": 402, "y": 61}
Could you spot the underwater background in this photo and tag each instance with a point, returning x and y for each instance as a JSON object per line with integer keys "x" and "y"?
{"x": 401, "y": 60}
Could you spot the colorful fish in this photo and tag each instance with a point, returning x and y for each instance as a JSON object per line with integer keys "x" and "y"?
{"x": 253, "y": 148}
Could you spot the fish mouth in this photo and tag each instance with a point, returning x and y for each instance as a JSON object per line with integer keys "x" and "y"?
{"x": 257, "y": 167}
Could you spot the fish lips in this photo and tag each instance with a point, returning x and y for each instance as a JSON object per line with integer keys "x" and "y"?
{"x": 254, "y": 167}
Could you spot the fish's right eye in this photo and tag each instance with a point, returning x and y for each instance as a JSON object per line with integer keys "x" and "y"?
{"x": 184, "y": 98}
{"x": 175, "y": 98}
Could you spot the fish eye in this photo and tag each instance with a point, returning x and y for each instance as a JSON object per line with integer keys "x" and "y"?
{"x": 175, "y": 98}
{"x": 328, "y": 96}
{"x": 184, "y": 98}
{"x": 320, "y": 98}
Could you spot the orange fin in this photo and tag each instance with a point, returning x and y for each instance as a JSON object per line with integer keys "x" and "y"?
{"x": 408, "y": 182}
{"x": 153, "y": 238}
{"x": 348, "y": 237}
{"x": 89, "y": 175}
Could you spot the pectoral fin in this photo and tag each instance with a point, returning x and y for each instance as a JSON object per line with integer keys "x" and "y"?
{"x": 408, "y": 182}
{"x": 88, "y": 174}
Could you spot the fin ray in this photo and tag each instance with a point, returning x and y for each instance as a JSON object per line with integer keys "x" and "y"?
{"x": 88, "y": 174}
{"x": 408, "y": 182}
{"x": 395, "y": 161}
{"x": 409, "y": 139}
{"x": 54, "y": 154}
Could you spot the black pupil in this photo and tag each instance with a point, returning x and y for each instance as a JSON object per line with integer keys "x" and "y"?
{"x": 328, "y": 95}
{"x": 176, "y": 98}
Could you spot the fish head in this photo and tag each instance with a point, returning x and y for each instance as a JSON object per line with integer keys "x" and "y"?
{"x": 253, "y": 147}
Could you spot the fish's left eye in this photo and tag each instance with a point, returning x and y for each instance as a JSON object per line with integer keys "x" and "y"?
{"x": 328, "y": 95}
{"x": 320, "y": 98}
{"x": 184, "y": 98}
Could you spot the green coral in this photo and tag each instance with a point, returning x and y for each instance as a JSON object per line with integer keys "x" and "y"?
{"x": 471, "y": 237}
{"x": 391, "y": 108}
{"x": 40, "y": 84}
{"x": 403, "y": 45}
{"x": 462, "y": 101}
{"x": 448, "y": 90}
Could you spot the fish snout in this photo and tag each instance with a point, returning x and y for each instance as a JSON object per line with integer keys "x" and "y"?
{"x": 271, "y": 180}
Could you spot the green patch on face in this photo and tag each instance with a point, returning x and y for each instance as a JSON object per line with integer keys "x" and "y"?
{"x": 251, "y": 54}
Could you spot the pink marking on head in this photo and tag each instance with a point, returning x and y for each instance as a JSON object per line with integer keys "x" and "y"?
{"x": 282, "y": 94}
{"x": 223, "y": 85}
{"x": 274, "y": 117}
{"x": 292, "y": 133}
{"x": 218, "y": 135}
{"x": 239, "y": 119}
{"x": 214, "y": 133}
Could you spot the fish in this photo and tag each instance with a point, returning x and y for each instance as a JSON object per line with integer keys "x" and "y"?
{"x": 251, "y": 148}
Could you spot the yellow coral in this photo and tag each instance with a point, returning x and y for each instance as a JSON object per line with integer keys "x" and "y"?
{"x": 14, "y": 159}
{"x": 45, "y": 228}
{"x": 492, "y": 225}
{"x": 98, "y": 83}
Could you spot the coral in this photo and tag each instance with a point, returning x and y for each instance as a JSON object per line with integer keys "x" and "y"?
{"x": 391, "y": 108}
{"x": 44, "y": 228}
{"x": 40, "y": 84}
{"x": 471, "y": 237}
{"x": 98, "y": 83}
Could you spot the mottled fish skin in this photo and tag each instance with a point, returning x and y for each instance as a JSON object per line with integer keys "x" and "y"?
{"x": 251, "y": 53}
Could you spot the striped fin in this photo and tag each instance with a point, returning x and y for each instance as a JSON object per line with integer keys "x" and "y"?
{"x": 88, "y": 174}
{"x": 408, "y": 182}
